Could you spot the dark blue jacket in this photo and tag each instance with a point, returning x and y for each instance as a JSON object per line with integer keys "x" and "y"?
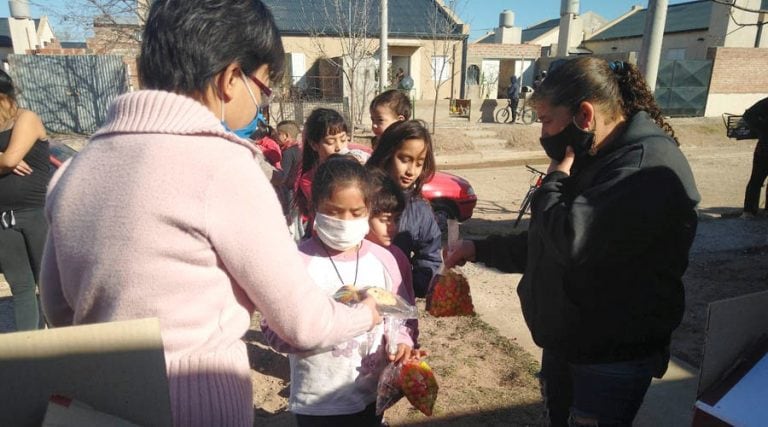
{"x": 420, "y": 239}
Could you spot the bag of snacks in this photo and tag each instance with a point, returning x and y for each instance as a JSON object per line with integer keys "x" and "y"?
{"x": 386, "y": 302}
{"x": 389, "y": 391}
{"x": 414, "y": 380}
{"x": 419, "y": 385}
{"x": 449, "y": 295}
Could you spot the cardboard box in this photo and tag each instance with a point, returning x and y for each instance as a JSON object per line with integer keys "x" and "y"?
{"x": 117, "y": 368}
{"x": 733, "y": 380}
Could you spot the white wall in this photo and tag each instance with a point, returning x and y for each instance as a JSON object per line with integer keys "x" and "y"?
{"x": 735, "y": 103}
{"x": 23, "y": 35}
{"x": 44, "y": 32}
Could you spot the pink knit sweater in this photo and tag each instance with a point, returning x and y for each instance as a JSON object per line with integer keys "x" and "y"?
{"x": 164, "y": 214}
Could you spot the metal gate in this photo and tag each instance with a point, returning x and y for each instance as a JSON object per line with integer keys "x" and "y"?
{"x": 682, "y": 87}
{"x": 70, "y": 93}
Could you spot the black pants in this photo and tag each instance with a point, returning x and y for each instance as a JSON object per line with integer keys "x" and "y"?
{"x": 756, "y": 180}
{"x": 365, "y": 418}
{"x": 21, "y": 252}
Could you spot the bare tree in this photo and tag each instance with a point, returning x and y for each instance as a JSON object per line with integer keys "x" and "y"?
{"x": 446, "y": 33}
{"x": 119, "y": 22}
{"x": 348, "y": 26}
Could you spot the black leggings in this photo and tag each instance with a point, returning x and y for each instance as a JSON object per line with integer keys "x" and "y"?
{"x": 21, "y": 251}
{"x": 365, "y": 418}
{"x": 756, "y": 179}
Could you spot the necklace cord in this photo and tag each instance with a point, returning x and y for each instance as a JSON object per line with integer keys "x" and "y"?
{"x": 357, "y": 262}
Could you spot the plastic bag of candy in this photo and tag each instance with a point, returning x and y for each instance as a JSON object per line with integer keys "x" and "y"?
{"x": 386, "y": 302}
{"x": 414, "y": 380}
{"x": 419, "y": 385}
{"x": 389, "y": 391}
{"x": 449, "y": 295}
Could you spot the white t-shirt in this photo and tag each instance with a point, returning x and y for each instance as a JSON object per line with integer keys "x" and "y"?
{"x": 343, "y": 379}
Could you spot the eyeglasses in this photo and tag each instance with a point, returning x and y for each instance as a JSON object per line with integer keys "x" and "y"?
{"x": 265, "y": 91}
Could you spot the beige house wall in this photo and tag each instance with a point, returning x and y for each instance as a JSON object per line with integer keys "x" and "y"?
{"x": 693, "y": 42}
{"x": 420, "y": 53}
{"x": 731, "y": 27}
{"x": 547, "y": 39}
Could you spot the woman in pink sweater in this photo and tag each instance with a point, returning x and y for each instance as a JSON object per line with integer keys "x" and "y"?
{"x": 166, "y": 213}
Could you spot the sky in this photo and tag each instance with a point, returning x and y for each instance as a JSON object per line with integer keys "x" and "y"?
{"x": 481, "y": 15}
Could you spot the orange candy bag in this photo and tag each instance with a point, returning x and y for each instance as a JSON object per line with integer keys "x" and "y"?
{"x": 449, "y": 295}
{"x": 419, "y": 386}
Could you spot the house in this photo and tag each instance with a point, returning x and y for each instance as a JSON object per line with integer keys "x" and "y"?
{"x": 498, "y": 55}
{"x": 510, "y": 50}
{"x": 720, "y": 54}
{"x": 19, "y": 33}
{"x": 547, "y": 33}
{"x": 691, "y": 29}
{"x": 425, "y": 40}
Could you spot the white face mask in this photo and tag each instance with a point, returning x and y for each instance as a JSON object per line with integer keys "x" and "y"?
{"x": 341, "y": 234}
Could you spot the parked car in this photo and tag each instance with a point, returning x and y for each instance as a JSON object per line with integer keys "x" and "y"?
{"x": 451, "y": 197}
{"x": 60, "y": 153}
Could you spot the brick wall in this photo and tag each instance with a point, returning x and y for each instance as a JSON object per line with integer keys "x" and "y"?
{"x": 503, "y": 51}
{"x": 54, "y": 48}
{"x": 114, "y": 39}
{"x": 57, "y": 51}
{"x": 738, "y": 70}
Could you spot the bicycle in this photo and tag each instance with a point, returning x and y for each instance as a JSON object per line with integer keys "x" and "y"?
{"x": 525, "y": 113}
{"x": 535, "y": 184}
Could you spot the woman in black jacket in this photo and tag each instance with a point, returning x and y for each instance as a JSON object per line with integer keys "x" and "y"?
{"x": 610, "y": 231}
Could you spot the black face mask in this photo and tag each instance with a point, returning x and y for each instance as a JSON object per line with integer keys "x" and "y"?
{"x": 580, "y": 140}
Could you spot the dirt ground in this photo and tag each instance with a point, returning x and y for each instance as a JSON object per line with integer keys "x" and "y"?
{"x": 486, "y": 378}
{"x": 485, "y": 375}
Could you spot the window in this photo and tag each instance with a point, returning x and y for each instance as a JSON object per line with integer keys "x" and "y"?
{"x": 473, "y": 75}
{"x": 675, "y": 54}
{"x": 441, "y": 68}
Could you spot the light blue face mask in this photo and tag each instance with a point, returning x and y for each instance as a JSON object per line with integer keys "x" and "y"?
{"x": 252, "y": 126}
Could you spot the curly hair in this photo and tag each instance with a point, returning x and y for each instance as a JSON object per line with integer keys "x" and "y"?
{"x": 618, "y": 86}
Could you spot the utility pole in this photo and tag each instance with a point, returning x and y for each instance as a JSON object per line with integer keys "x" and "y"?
{"x": 650, "y": 52}
{"x": 383, "y": 48}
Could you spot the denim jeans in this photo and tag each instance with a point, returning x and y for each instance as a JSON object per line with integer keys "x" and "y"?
{"x": 610, "y": 393}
